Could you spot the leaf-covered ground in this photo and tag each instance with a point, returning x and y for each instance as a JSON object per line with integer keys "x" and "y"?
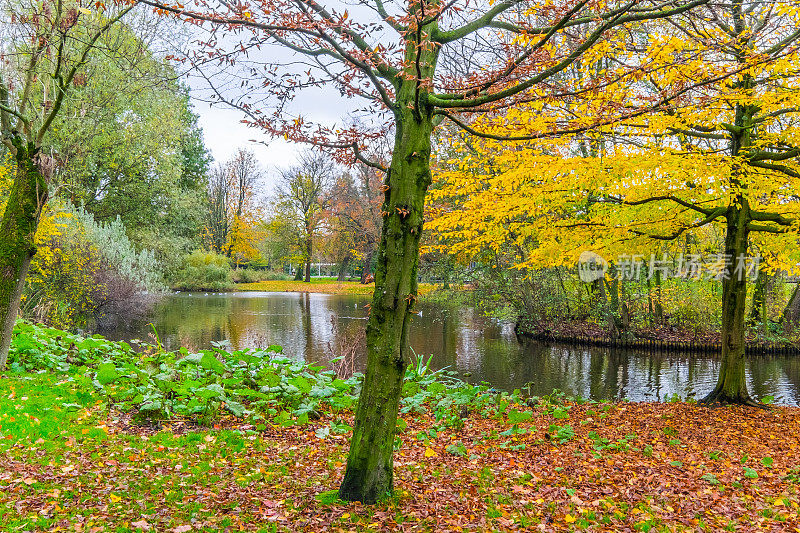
{"x": 68, "y": 463}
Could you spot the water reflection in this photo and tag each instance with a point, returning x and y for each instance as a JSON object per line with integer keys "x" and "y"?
{"x": 311, "y": 326}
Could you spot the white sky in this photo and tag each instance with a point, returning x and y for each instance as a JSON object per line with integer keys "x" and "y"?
{"x": 224, "y": 133}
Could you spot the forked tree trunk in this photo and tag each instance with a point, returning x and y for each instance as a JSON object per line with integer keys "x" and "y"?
{"x": 369, "y": 475}
{"x": 732, "y": 383}
{"x": 17, "y": 239}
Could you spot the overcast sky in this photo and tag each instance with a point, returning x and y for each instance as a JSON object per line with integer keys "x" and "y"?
{"x": 224, "y": 132}
{"x": 222, "y": 126}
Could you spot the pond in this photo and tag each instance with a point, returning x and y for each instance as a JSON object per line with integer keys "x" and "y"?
{"x": 314, "y": 327}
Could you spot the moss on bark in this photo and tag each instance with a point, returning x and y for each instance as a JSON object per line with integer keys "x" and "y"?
{"x": 17, "y": 237}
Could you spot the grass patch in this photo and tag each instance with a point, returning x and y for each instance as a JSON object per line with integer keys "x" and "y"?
{"x": 322, "y": 285}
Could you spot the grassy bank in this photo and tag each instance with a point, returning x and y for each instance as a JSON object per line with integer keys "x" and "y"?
{"x": 83, "y": 446}
{"x": 323, "y": 285}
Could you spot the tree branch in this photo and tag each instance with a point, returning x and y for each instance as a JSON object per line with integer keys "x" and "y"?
{"x": 63, "y": 84}
{"x": 709, "y": 212}
{"x": 459, "y": 100}
{"x": 475, "y": 25}
{"x": 774, "y": 156}
{"x": 716, "y": 213}
{"x": 776, "y": 167}
{"x": 771, "y": 217}
{"x": 766, "y": 229}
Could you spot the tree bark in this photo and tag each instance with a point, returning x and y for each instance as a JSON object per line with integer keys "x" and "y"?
{"x": 366, "y": 267}
{"x": 343, "y": 268}
{"x": 28, "y": 195}
{"x": 369, "y": 473}
{"x": 308, "y": 261}
{"x": 759, "y": 299}
{"x": 732, "y": 383}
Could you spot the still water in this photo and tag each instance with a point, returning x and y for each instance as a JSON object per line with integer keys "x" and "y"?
{"x": 315, "y": 327}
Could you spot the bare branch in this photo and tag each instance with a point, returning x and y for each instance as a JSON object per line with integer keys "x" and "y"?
{"x": 460, "y": 100}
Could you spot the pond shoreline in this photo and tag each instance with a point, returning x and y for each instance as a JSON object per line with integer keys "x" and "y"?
{"x": 314, "y": 286}
{"x": 654, "y": 341}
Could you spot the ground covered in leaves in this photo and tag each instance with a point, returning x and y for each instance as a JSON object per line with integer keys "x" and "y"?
{"x": 71, "y": 462}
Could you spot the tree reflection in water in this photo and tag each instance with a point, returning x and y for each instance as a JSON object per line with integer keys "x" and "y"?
{"x": 458, "y": 338}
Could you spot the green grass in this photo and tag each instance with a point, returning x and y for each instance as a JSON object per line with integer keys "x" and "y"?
{"x": 327, "y": 285}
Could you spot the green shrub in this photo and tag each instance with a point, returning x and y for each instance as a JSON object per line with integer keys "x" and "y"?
{"x": 252, "y": 275}
{"x": 86, "y": 271}
{"x": 204, "y": 270}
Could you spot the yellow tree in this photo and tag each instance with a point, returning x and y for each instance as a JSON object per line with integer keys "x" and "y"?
{"x": 232, "y": 216}
{"x": 725, "y": 154}
{"x": 303, "y": 201}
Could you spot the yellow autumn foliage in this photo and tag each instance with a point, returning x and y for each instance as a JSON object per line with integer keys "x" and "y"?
{"x": 638, "y": 184}
{"x": 61, "y": 289}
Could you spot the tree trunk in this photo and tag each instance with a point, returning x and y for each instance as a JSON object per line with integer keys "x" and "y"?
{"x": 17, "y": 238}
{"x": 732, "y": 384}
{"x": 369, "y": 474}
{"x": 759, "y": 299}
{"x": 343, "y": 268}
{"x": 448, "y": 269}
{"x": 658, "y": 308}
{"x": 613, "y": 316}
{"x": 308, "y": 261}
{"x": 791, "y": 313}
{"x": 366, "y": 267}
{"x": 298, "y": 274}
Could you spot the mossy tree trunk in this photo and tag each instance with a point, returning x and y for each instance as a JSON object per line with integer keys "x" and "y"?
{"x": 732, "y": 383}
{"x": 17, "y": 237}
{"x": 369, "y": 474}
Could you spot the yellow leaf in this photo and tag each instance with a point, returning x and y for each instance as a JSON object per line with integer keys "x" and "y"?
{"x": 114, "y": 498}
{"x": 569, "y": 519}
{"x": 430, "y": 453}
{"x": 84, "y": 11}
